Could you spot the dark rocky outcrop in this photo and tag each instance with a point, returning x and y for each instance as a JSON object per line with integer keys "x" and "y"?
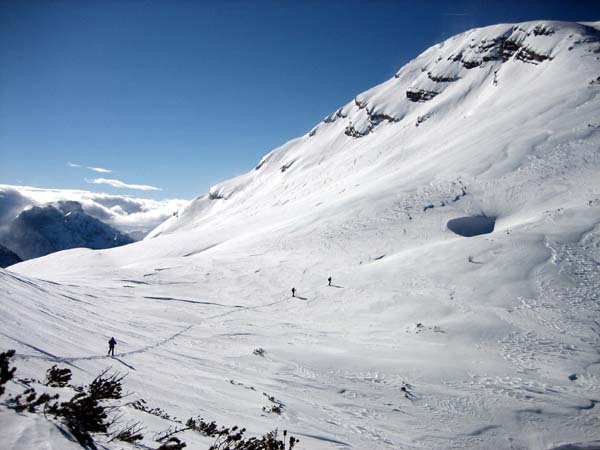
{"x": 375, "y": 118}
{"x": 420, "y": 95}
{"x": 441, "y": 78}
{"x": 421, "y": 119}
{"x": 508, "y": 48}
{"x": 261, "y": 163}
{"x": 471, "y": 64}
{"x": 542, "y": 30}
{"x": 286, "y": 166}
{"x": 335, "y": 116}
{"x": 529, "y": 55}
{"x": 362, "y": 104}
{"x": 216, "y": 196}
{"x": 8, "y": 257}
{"x": 501, "y": 48}
{"x": 353, "y": 132}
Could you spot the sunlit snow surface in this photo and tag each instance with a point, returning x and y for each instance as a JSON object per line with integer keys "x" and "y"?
{"x": 507, "y": 318}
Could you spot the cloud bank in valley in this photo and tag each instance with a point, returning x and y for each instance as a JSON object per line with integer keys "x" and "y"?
{"x": 132, "y": 215}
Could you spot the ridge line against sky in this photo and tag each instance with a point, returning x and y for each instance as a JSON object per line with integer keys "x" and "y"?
{"x": 178, "y": 96}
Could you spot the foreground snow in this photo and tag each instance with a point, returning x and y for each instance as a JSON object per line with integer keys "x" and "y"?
{"x": 495, "y": 336}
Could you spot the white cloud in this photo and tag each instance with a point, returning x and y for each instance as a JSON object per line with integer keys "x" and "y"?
{"x": 121, "y": 184}
{"x": 95, "y": 169}
{"x": 100, "y": 169}
{"x": 136, "y": 216}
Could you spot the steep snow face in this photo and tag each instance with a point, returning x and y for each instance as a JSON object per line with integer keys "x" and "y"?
{"x": 479, "y": 106}
{"x": 426, "y": 339}
{"x": 38, "y": 231}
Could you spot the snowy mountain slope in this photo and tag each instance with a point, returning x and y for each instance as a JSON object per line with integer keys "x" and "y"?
{"x": 494, "y": 335}
{"x": 517, "y": 92}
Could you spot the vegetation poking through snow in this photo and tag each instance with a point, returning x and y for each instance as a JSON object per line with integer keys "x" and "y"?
{"x": 84, "y": 413}
{"x": 172, "y": 444}
{"x": 226, "y": 438}
{"x": 107, "y": 386}
{"x": 140, "y": 405}
{"x": 57, "y": 377}
{"x": 87, "y": 413}
{"x": 276, "y": 408}
{"x": 131, "y": 433}
{"x": 30, "y": 401}
{"x": 6, "y": 373}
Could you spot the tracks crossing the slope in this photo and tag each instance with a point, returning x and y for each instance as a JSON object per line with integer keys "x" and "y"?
{"x": 45, "y": 355}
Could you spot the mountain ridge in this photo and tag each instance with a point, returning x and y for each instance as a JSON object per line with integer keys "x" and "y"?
{"x": 483, "y": 78}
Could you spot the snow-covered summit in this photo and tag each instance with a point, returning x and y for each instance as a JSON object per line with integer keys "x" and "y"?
{"x": 463, "y": 98}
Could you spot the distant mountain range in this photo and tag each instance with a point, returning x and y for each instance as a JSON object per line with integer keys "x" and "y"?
{"x": 41, "y": 230}
{"x": 135, "y": 216}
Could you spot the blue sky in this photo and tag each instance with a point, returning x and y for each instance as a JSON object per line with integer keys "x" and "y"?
{"x": 181, "y": 94}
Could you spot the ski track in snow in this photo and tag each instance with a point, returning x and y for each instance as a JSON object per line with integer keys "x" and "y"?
{"x": 67, "y": 359}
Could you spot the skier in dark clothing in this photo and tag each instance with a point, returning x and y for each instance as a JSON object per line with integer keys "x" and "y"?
{"x": 329, "y": 279}
{"x": 111, "y": 346}
{"x": 293, "y": 292}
